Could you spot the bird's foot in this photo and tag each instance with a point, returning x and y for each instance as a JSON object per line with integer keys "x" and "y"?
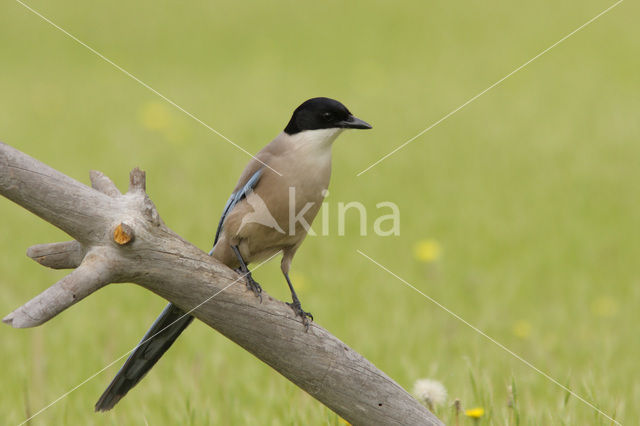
{"x": 251, "y": 283}
{"x": 306, "y": 316}
{"x": 254, "y": 286}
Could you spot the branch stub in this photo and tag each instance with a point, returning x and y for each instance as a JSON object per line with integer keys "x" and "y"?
{"x": 137, "y": 180}
{"x": 123, "y": 234}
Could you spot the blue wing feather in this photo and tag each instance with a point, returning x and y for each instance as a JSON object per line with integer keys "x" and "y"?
{"x": 234, "y": 199}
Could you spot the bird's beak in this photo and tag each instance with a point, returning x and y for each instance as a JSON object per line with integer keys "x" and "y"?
{"x": 354, "y": 123}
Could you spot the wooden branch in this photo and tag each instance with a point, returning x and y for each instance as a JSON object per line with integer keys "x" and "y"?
{"x": 65, "y": 255}
{"x": 121, "y": 238}
{"x": 103, "y": 184}
{"x": 93, "y": 273}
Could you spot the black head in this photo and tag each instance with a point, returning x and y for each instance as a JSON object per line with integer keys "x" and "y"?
{"x": 323, "y": 113}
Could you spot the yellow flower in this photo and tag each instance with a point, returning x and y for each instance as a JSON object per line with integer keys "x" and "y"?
{"x": 155, "y": 116}
{"x": 521, "y": 329}
{"x": 427, "y": 251}
{"x": 604, "y": 307}
{"x": 344, "y": 422}
{"x": 474, "y": 413}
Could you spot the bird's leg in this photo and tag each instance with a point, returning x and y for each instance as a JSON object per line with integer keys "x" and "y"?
{"x": 296, "y": 306}
{"x": 251, "y": 283}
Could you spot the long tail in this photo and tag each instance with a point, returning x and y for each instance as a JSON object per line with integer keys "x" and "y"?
{"x": 148, "y": 352}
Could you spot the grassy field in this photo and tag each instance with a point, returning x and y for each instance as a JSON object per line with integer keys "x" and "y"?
{"x": 519, "y": 213}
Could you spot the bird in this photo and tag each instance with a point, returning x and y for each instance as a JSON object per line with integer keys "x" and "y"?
{"x": 269, "y": 211}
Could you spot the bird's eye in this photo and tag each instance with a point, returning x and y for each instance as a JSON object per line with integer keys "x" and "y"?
{"x": 327, "y": 116}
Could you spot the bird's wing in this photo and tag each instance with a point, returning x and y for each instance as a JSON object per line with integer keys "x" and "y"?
{"x": 235, "y": 198}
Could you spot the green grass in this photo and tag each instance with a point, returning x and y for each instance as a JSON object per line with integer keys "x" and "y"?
{"x": 531, "y": 192}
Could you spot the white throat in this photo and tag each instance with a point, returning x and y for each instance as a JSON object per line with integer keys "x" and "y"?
{"x": 320, "y": 139}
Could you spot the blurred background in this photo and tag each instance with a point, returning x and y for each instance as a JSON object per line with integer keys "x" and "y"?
{"x": 519, "y": 213}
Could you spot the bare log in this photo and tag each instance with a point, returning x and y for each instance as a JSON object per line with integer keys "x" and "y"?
{"x": 121, "y": 238}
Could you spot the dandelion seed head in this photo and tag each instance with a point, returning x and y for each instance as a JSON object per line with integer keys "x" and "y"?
{"x": 430, "y": 392}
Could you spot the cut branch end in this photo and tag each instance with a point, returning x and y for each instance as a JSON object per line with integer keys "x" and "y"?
{"x": 137, "y": 180}
{"x": 8, "y": 320}
{"x": 123, "y": 234}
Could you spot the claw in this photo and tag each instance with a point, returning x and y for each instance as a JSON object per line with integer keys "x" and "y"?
{"x": 305, "y": 316}
{"x": 254, "y": 286}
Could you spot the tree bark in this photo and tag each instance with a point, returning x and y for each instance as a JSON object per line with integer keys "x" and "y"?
{"x": 121, "y": 238}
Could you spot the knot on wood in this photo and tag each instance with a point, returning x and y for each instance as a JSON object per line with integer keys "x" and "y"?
{"x": 123, "y": 234}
